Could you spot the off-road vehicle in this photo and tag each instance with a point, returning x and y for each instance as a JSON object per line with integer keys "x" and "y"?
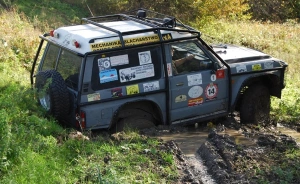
{"x": 118, "y": 70}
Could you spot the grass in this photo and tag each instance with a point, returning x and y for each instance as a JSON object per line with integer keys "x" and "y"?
{"x": 34, "y": 149}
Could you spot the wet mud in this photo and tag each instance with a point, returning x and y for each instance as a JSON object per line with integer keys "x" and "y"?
{"x": 226, "y": 151}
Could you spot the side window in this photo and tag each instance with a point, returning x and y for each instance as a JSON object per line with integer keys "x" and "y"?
{"x": 126, "y": 67}
{"x": 69, "y": 65}
{"x": 188, "y": 57}
{"x": 50, "y": 57}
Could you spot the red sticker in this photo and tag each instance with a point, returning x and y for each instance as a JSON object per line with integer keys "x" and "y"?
{"x": 211, "y": 91}
{"x": 220, "y": 74}
{"x": 195, "y": 101}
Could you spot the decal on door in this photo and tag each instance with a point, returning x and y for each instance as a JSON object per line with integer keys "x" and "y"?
{"x": 180, "y": 98}
{"x": 194, "y": 79}
{"x": 241, "y": 68}
{"x": 195, "y": 101}
{"x": 213, "y": 77}
{"x": 195, "y": 91}
{"x": 220, "y": 74}
{"x": 211, "y": 91}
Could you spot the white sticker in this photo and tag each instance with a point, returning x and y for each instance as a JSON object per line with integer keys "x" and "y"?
{"x": 213, "y": 77}
{"x": 145, "y": 57}
{"x": 195, "y": 92}
{"x": 151, "y": 86}
{"x": 211, "y": 91}
{"x": 169, "y": 68}
{"x": 104, "y": 63}
{"x": 119, "y": 60}
{"x": 194, "y": 79}
{"x": 268, "y": 65}
{"x": 136, "y": 73}
{"x": 241, "y": 68}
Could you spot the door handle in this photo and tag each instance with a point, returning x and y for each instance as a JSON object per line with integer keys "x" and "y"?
{"x": 180, "y": 84}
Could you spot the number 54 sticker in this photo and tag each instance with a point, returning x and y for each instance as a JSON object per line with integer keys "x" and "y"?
{"x": 211, "y": 91}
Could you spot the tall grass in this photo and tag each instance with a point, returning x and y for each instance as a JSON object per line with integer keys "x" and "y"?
{"x": 280, "y": 41}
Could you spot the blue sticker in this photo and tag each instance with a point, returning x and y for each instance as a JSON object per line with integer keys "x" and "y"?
{"x": 108, "y": 75}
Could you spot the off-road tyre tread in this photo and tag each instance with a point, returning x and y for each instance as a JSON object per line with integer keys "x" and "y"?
{"x": 58, "y": 92}
{"x": 255, "y": 105}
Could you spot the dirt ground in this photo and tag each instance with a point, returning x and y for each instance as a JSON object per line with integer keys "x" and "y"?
{"x": 221, "y": 159}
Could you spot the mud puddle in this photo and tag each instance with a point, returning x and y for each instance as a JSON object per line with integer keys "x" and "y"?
{"x": 190, "y": 138}
{"x": 289, "y": 132}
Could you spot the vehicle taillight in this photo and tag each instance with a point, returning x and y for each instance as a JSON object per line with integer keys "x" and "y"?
{"x": 80, "y": 120}
{"x": 76, "y": 44}
{"x": 54, "y": 34}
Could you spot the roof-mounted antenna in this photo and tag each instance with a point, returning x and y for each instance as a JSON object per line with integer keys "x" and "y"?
{"x": 89, "y": 8}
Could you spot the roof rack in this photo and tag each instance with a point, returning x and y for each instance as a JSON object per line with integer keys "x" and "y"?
{"x": 157, "y": 22}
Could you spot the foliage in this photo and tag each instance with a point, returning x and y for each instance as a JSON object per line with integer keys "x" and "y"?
{"x": 215, "y": 9}
{"x": 275, "y": 10}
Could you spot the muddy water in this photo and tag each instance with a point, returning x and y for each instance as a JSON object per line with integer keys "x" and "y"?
{"x": 289, "y": 132}
{"x": 190, "y": 140}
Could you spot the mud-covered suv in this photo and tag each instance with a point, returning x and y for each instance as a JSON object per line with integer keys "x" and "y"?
{"x": 145, "y": 68}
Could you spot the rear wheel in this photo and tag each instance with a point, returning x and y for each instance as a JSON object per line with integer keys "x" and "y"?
{"x": 135, "y": 122}
{"x": 255, "y": 105}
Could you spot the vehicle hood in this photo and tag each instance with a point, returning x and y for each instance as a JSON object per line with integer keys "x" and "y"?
{"x": 235, "y": 54}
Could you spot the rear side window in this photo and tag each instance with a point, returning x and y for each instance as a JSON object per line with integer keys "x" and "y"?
{"x": 69, "y": 65}
{"x": 126, "y": 67}
{"x": 50, "y": 57}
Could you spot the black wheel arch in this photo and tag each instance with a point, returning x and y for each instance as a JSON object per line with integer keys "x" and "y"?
{"x": 272, "y": 82}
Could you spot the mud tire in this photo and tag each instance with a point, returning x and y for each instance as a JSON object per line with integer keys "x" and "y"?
{"x": 255, "y": 105}
{"x": 138, "y": 122}
{"x": 52, "y": 94}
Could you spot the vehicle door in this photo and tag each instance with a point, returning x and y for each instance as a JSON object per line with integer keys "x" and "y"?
{"x": 198, "y": 83}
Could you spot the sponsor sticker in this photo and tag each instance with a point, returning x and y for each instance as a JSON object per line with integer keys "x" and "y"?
{"x": 104, "y": 63}
{"x": 119, "y": 60}
{"x": 108, "y": 75}
{"x": 116, "y": 92}
{"x": 145, "y": 57}
{"x": 180, "y": 98}
{"x": 213, "y": 77}
{"x": 151, "y": 86}
{"x": 211, "y": 91}
{"x": 195, "y": 91}
{"x": 169, "y": 68}
{"x": 93, "y": 97}
{"x": 220, "y": 74}
{"x": 194, "y": 79}
{"x": 136, "y": 73}
{"x": 241, "y": 68}
{"x": 133, "y": 89}
{"x": 268, "y": 65}
{"x": 256, "y": 67}
{"x": 195, "y": 101}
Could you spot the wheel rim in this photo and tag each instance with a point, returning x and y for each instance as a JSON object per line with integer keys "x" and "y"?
{"x": 45, "y": 101}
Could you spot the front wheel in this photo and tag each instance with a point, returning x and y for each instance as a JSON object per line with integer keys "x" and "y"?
{"x": 255, "y": 105}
